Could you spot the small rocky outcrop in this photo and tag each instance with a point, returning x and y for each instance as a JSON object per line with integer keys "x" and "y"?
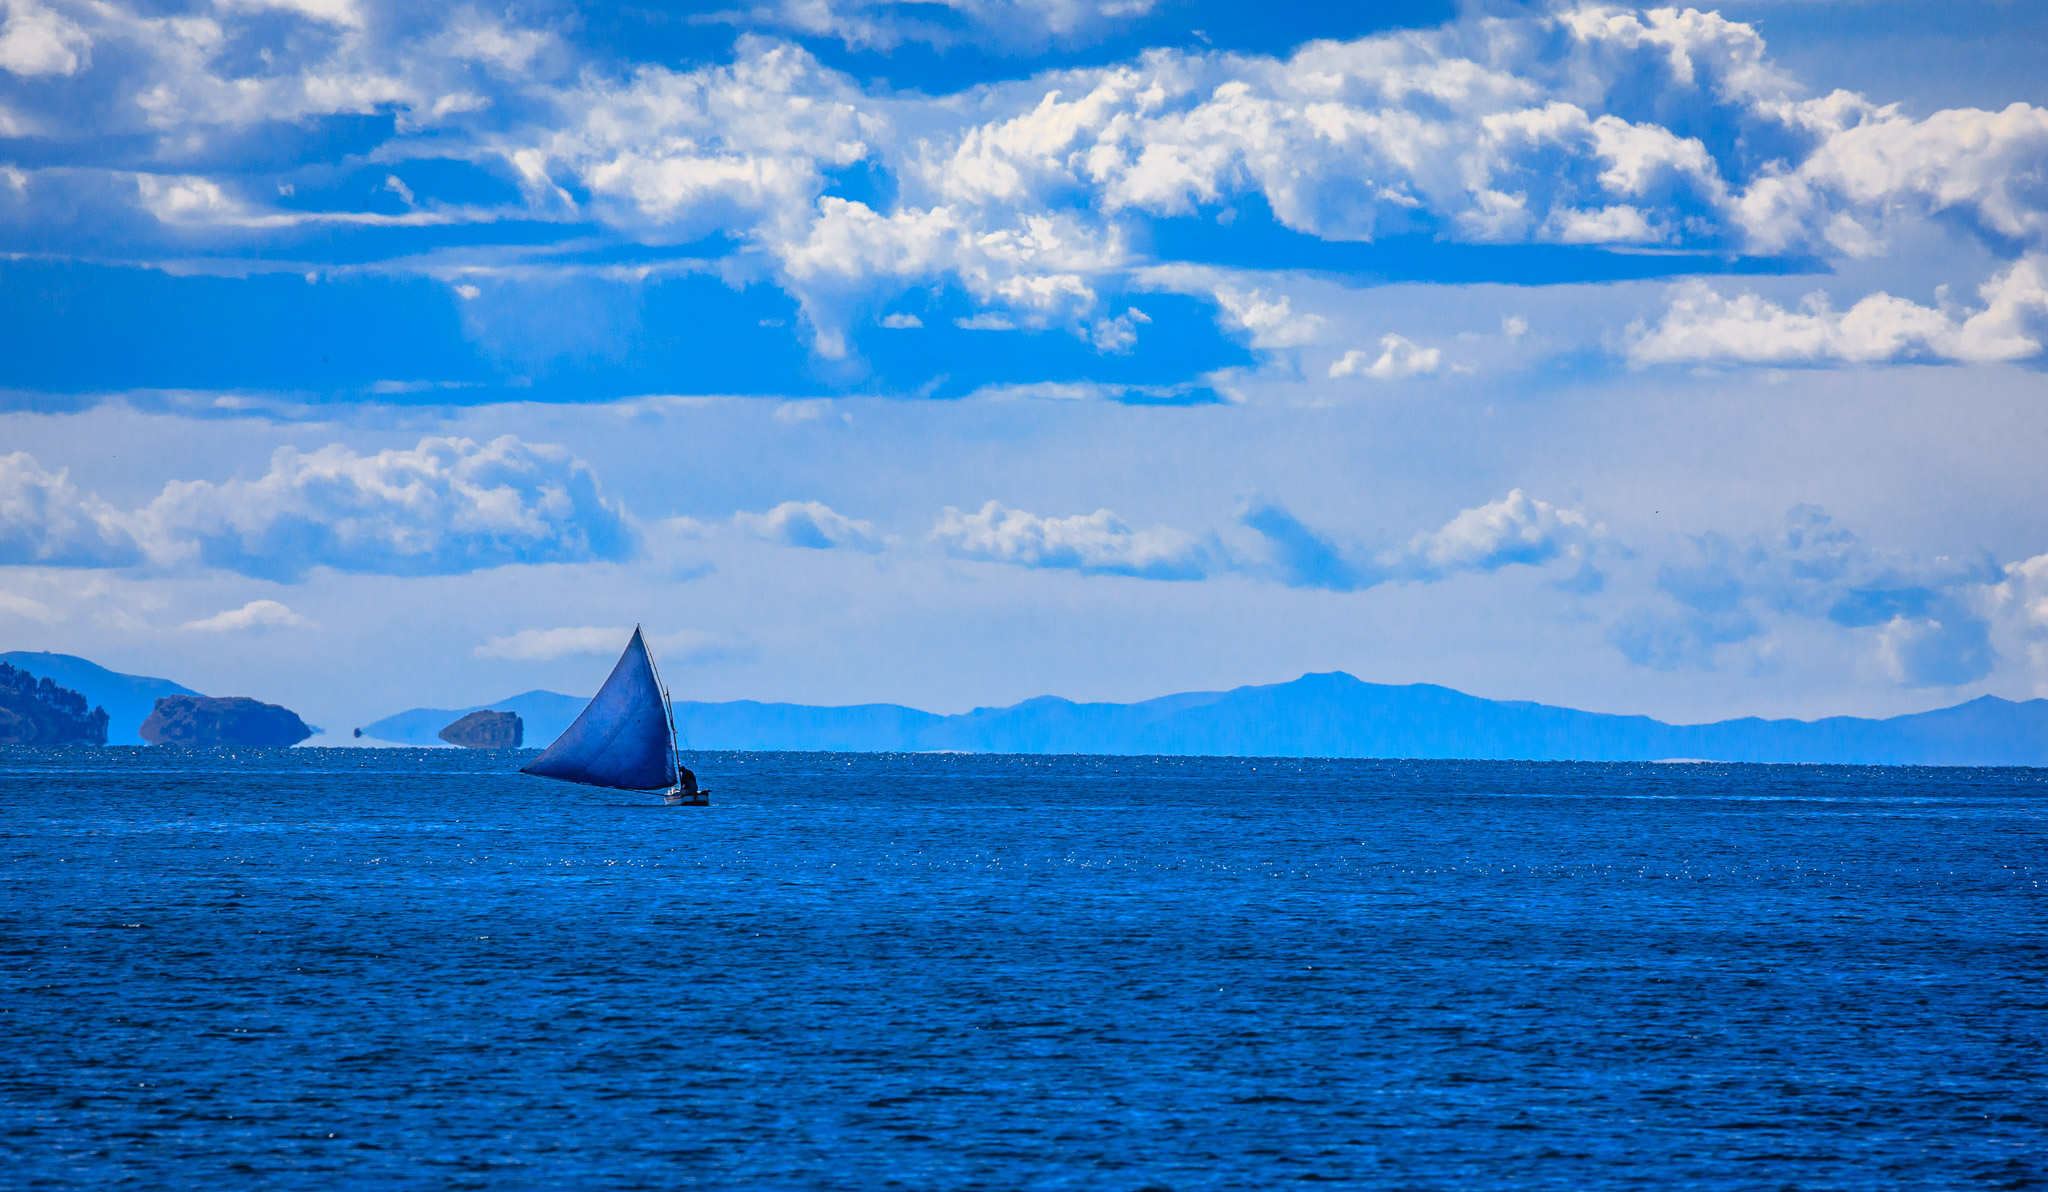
{"x": 38, "y": 712}
{"x": 486, "y": 730}
{"x": 203, "y": 721}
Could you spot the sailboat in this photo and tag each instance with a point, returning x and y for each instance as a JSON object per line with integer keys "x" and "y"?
{"x": 626, "y": 738}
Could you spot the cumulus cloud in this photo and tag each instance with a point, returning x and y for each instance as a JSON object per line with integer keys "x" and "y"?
{"x": 1587, "y": 125}
{"x": 1581, "y": 124}
{"x": 1873, "y": 165}
{"x": 1099, "y": 543}
{"x": 448, "y": 505}
{"x": 811, "y": 524}
{"x": 1920, "y": 617}
{"x": 37, "y": 40}
{"x": 1702, "y": 325}
{"x": 1399, "y": 358}
{"x": 1037, "y": 270}
{"x": 1482, "y": 129}
{"x": 683, "y": 153}
{"x": 257, "y": 614}
{"x": 445, "y": 506}
{"x": 46, "y": 521}
{"x": 1517, "y": 529}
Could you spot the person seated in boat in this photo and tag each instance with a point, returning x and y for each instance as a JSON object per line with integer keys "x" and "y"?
{"x": 686, "y": 778}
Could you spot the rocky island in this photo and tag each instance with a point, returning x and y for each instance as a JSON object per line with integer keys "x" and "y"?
{"x": 38, "y": 712}
{"x": 203, "y": 721}
{"x": 486, "y": 730}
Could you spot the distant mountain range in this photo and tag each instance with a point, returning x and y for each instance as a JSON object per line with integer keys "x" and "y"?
{"x": 128, "y": 699}
{"x": 1326, "y": 715}
{"x": 1329, "y": 715}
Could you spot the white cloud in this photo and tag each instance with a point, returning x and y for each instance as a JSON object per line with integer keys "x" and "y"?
{"x": 884, "y": 24}
{"x": 1514, "y": 529}
{"x": 901, "y": 322}
{"x": 1702, "y": 325}
{"x": 1185, "y": 393}
{"x": 1398, "y": 359}
{"x": 810, "y": 524}
{"x": 1119, "y": 334}
{"x": 1935, "y": 651}
{"x": 1244, "y": 302}
{"x": 1490, "y": 128}
{"x": 2020, "y": 599}
{"x": 1098, "y": 542}
{"x": 46, "y": 521}
{"x": 447, "y": 505}
{"x": 1035, "y": 270}
{"x": 736, "y": 147}
{"x": 333, "y": 12}
{"x": 257, "y": 614}
{"x": 194, "y": 201}
{"x": 193, "y": 76}
{"x": 1583, "y": 125}
{"x": 38, "y": 40}
{"x": 1882, "y": 164}
{"x": 810, "y": 409}
{"x": 1270, "y": 318}
{"x": 546, "y": 645}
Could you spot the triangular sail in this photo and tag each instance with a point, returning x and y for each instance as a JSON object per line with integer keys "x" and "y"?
{"x": 622, "y": 739}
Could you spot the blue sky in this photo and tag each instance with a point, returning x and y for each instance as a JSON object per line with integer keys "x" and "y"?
{"x": 360, "y": 356}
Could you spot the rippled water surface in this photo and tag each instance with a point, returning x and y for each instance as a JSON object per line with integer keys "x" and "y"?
{"x": 417, "y": 969}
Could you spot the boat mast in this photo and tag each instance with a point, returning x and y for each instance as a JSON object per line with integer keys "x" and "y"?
{"x": 668, "y": 707}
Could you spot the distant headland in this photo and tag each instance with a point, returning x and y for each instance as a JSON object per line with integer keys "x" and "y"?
{"x": 34, "y": 710}
{"x": 130, "y": 709}
{"x": 205, "y": 722}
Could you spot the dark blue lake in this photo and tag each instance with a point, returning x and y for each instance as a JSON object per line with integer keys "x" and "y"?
{"x": 316, "y": 969}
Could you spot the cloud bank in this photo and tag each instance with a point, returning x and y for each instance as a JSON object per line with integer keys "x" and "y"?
{"x": 446, "y": 506}
{"x": 1030, "y": 202}
{"x": 1704, "y": 326}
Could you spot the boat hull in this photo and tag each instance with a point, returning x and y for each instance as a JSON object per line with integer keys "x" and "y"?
{"x": 677, "y": 798}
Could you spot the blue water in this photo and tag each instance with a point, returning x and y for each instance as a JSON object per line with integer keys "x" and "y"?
{"x": 322, "y": 969}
